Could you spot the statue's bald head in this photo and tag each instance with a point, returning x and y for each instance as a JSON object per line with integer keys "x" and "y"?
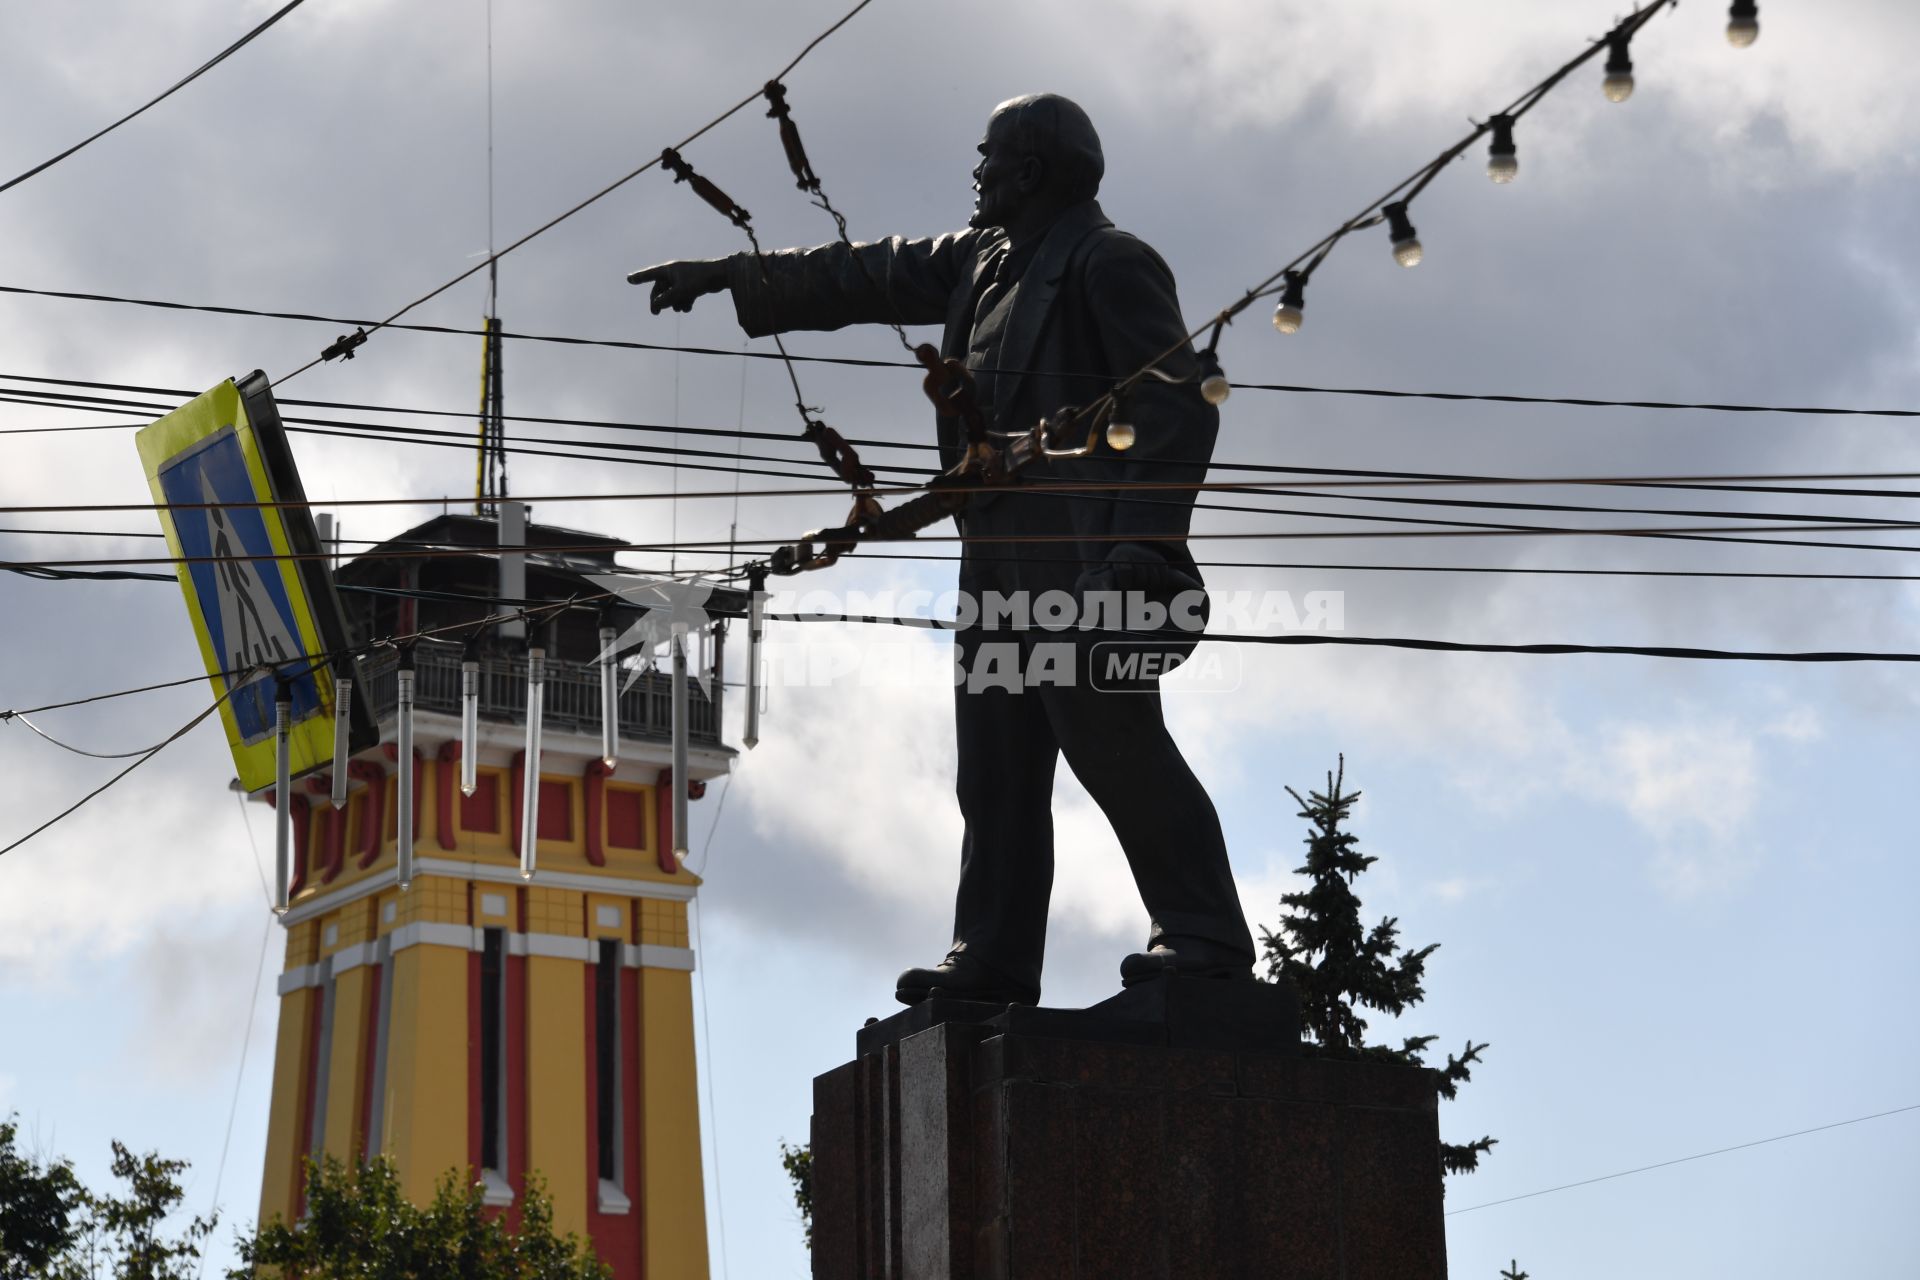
{"x": 1056, "y": 131}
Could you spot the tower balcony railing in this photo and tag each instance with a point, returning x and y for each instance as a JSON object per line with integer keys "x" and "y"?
{"x": 572, "y": 695}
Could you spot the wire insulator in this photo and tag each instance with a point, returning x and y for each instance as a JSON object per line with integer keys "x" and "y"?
{"x": 839, "y": 455}
{"x": 722, "y": 203}
{"x": 343, "y": 347}
{"x": 804, "y": 177}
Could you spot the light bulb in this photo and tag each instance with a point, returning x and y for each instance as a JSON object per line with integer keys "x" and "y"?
{"x": 1120, "y": 436}
{"x": 342, "y": 733}
{"x": 1503, "y": 158}
{"x": 1743, "y": 23}
{"x": 1406, "y": 242}
{"x": 1214, "y": 387}
{"x": 1292, "y": 311}
{"x": 1618, "y": 86}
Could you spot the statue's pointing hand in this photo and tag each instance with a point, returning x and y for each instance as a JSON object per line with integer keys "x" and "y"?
{"x": 680, "y": 284}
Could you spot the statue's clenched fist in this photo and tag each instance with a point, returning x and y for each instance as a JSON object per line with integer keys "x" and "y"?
{"x": 679, "y": 284}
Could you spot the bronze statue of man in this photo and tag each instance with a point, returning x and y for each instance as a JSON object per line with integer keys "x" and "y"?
{"x": 1049, "y": 305}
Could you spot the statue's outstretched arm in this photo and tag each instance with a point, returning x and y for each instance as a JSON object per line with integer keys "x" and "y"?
{"x": 888, "y": 281}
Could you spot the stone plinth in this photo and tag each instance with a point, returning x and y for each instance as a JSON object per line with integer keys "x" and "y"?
{"x": 1173, "y": 1131}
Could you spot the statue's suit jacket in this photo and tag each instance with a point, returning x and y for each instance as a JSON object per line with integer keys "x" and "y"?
{"x": 1093, "y": 305}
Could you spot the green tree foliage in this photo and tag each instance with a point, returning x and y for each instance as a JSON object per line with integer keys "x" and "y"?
{"x": 359, "y": 1225}
{"x": 54, "y": 1228}
{"x": 1339, "y": 966}
{"x": 129, "y": 1232}
{"x": 798, "y": 1162}
{"x": 40, "y": 1205}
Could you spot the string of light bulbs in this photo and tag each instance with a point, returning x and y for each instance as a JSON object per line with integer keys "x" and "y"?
{"x": 1289, "y": 283}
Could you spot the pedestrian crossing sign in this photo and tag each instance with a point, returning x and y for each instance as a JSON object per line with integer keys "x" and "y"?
{"x": 264, "y": 616}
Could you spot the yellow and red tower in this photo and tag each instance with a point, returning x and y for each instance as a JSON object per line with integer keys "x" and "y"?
{"x": 477, "y": 1021}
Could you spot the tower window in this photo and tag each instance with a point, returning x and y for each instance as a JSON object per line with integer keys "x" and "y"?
{"x": 493, "y": 1051}
{"x": 606, "y": 1045}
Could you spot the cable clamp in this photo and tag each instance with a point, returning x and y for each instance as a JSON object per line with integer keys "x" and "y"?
{"x": 344, "y": 346}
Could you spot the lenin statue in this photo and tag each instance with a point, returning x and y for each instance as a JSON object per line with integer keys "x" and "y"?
{"x": 1049, "y": 305}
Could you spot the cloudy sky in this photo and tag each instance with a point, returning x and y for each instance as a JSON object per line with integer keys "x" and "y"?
{"x": 1675, "y": 897}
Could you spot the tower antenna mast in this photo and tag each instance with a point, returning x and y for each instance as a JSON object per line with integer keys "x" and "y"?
{"x": 490, "y": 469}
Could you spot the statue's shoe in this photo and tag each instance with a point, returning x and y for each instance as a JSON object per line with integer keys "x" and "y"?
{"x": 1189, "y": 957}
{"x": 961, "y": 977}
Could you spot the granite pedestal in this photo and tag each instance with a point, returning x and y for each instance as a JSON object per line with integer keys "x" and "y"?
{"x": 1172, "y": 1131}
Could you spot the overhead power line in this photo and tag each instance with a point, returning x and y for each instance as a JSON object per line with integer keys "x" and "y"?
{"x": 1408, "y": 642}
{"x": 1702, "y": 1155}
{"x": 177, "y": 85}
{"x": 1826, "y": 656}
{"x": 141, "y": 759}
{"x": 1733, "y": 534}
{"x": 314, "y": 661}
{"x": 345, "y": 346}
{"x": 64, "y": 575}
{"x": 856, "y": 362}
{"x": 1304, "y": 476}
{"x": 1131, "y": 492}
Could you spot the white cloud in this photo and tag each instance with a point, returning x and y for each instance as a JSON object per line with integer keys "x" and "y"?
{"x": 149, "y": 850}
{"x": 1682, "y": 778}
{"x": 861, "y": 777}
{"x": 1693, "y": 787}
{"x": 1797, "y": 724}
{"x": 195, "y": 976}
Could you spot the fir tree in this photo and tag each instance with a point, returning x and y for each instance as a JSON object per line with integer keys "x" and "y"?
{"x": 1339, "y": 966}
{"x": 798, "y": 1162}
{"x": 1513, "y": 1272}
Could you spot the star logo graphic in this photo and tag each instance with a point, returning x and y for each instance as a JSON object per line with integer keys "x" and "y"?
{"x": 674, "y": 607}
